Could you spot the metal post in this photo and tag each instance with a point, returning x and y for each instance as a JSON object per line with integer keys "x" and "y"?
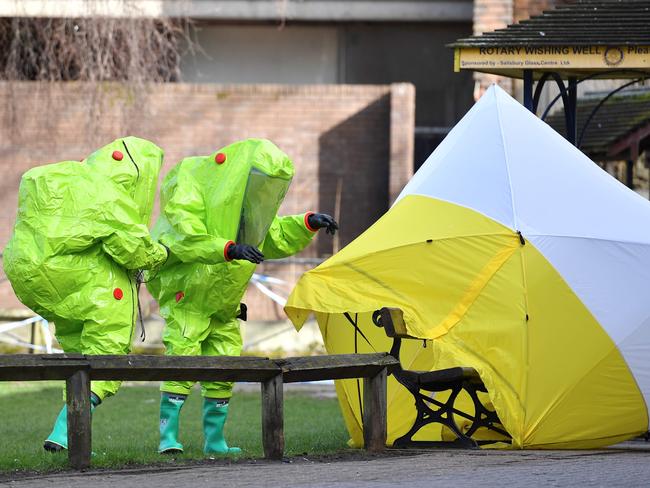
{"x": 528, "y": 90}
{"x": 571, "y": 112}
{"x": 647, "y": 165}
{"x": 32, "y": 337}
{"x": 629, "y": 174}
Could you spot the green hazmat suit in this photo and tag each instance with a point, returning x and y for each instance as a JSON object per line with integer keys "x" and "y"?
{"x": 80, "y": 234}
{"x": 209, "y": 202}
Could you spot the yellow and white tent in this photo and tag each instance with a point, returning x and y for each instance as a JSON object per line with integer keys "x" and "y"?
{"x": 514, "y": 254}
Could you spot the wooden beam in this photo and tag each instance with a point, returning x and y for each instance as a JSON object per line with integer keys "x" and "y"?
{"x": 29, "y": 367}
{"x": 182, "y": 368}
{"x": 374, "y": 411}
{"x": 79, "y": 428}
{"x": 335, "y": 366}
{"x": 196, "y": 368}
{"x": 15, "y": 367}
{"x": 630, "y": 143}
{"x": 273, "y": 417}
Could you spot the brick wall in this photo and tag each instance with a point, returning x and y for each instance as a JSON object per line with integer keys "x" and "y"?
{"x": 523, "y": 9}
{"x": 339, "y": 136}
{"x": 490, "y": 15}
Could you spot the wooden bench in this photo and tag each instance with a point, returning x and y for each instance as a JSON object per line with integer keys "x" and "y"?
{"x": 79, "y": 370}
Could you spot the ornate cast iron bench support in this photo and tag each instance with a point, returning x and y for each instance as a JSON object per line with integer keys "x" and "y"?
{"x": 429, "y": 410}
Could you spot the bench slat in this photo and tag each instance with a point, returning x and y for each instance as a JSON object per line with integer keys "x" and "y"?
{"x": 179, "y": 368}
{"x": 30, "y": 367}
{"x": 440, "y": 379}
{"x": 335, "y": 366}
{"x": 199, "y": 368}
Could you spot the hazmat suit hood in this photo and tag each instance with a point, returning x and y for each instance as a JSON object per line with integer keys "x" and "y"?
{"x": 209, "y": 202}
{"x": 133, "y": 164}
{"x": 255, "y": 181}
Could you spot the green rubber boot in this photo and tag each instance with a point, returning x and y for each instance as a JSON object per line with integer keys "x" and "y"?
{"x": 215, "y": 412}
{"x": 170, "y": 409}
{"x": 58, "y": 438}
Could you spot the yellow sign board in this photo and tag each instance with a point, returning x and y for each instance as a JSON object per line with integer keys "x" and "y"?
{"x": 514, "y": 59}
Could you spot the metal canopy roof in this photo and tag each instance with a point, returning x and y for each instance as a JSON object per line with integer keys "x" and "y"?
{"x": 578, "y": 38}
{"x": 592, "y": 22}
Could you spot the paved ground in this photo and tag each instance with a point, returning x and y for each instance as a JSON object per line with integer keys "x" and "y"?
{"x": 624, "y": 465}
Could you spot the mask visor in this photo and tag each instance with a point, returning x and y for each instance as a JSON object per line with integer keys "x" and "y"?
{"x": 262, "y": 199}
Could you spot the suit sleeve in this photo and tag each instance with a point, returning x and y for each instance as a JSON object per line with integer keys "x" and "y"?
{"x": 187, "y": 236}
{"x": 287, "y": 236}
{"x": 126, "y": 240}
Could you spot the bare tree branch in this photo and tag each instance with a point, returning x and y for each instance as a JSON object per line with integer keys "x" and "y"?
{"x": 135, "y": 50}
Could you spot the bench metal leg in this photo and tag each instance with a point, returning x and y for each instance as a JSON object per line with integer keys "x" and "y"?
{"x": 374, "y": 411}
{"x": 79, "y": 434}
{"x": 273, "y": 418}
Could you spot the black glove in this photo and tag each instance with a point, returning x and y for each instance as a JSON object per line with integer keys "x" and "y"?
{"x": 244, "y": 251}
{"x": 319, "y": 221}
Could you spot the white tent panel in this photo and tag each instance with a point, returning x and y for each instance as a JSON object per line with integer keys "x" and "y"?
{"x": 557, "y": 190}
{"x": 608, "y": 277}
{"x": 500, "y": 156}
{"x": 468, "y": 167}
{"x": 636, "y": 351}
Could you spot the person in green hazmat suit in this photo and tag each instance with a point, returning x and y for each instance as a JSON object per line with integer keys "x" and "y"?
{"x": 80, "y": 236}
{"x": 219, "y": 219}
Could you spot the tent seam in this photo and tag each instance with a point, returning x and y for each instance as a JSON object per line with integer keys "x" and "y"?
{"x": 505, "y": 161}
{"x": 614, "y": 346}
{"x": 378, "y": 251}
{"x": 560, "y": 398}
{"x": 593, "y": 315}
{"x": 558, "y": 236}
{"x": 403, "y": 195}
{"x": 516, "y": 226}
{"x": 462, "y": 205}
{"x": 354, "y": 268}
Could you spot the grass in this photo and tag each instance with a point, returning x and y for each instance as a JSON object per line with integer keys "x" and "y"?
{"x": 125, "y": 427}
